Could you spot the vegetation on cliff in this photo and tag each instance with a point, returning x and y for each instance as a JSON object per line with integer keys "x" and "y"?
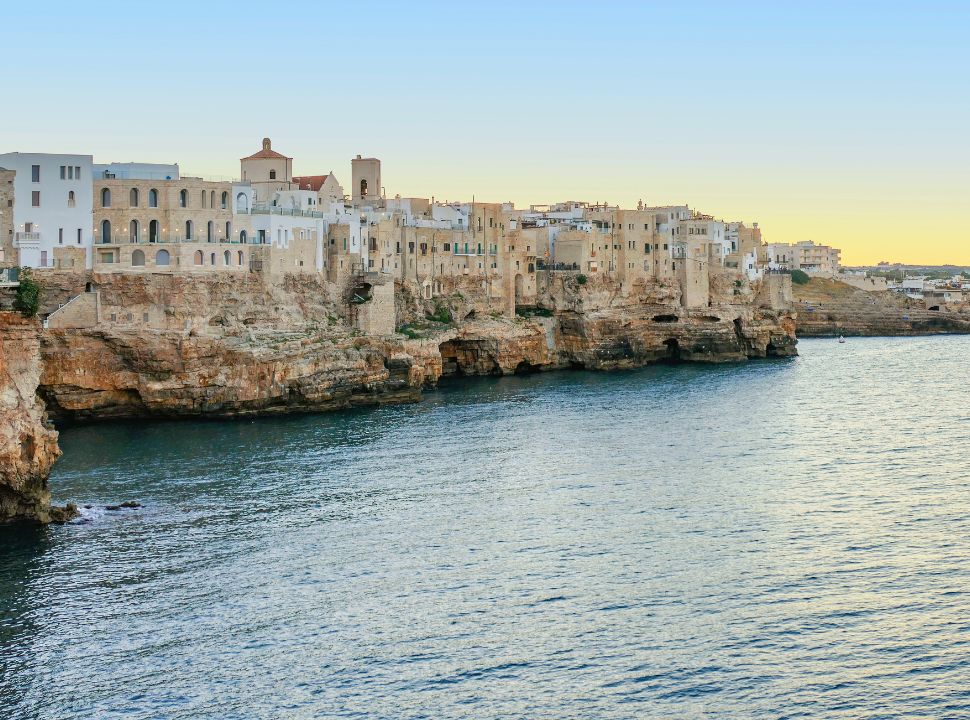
{"x": 27, "y": 299}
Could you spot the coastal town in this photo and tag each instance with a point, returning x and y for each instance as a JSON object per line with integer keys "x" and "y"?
{"x": 65, "y": 213}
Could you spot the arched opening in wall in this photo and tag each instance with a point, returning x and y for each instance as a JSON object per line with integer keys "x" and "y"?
{"x": 212, "y": 198}
{"x": 183, "y": 198}
{"x": 242, "y": 203}
{"x": 242, "y": 236}
{"x": 363, "y": 188}
{"x": 228, "y": 231}
{"x": 225, "y": 200}
{"x": 204, "y": 205}
{"x": 71, "y": 199}
{"x": 210, "y": 232}
{"x": 105, "y": 197}
{"x": 240, "y": 257}
{"x": 427, "y": 291}
{"x": 153, "y": 231}
{"x": 133, "y": 197}
{"x": 188, "y": 229}
{"x": 673, "y": 350}
{"x": 198, "y": 258}
{"x": 519, "y": 288}
{"x": 138, "y": 258}
{"x": 153, "y": 198}
{"x": 226, "y": 258}
{"x": 212, "y": 259}
{"x": 133, "y": 231}
{"x": 105, "y": 231}
{"x": 162, "y": 257}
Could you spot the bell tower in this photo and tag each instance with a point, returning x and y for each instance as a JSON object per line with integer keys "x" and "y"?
{"x": 366, "y": 187}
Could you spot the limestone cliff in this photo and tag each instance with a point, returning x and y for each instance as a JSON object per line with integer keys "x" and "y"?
{"x": 827, "y": 308}
{"x": 244, "y": 348}
{"x": 28, "y": 445}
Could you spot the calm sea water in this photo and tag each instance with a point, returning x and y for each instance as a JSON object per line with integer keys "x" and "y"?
{"x": 774, "y": 540}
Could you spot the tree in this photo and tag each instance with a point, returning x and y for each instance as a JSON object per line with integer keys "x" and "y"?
{"x": 27, "y": 300}
{"x": 799, "y": 277}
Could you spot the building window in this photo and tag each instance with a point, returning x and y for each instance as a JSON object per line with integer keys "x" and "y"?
{"x": 183, "y": 198}
{"x": 63, "y": 172}
{"x": 153, "y": 198}
{"x": 60, "y": 236}
{"x": 71, "y": 202}
{"x": 225, "y": 200}
{"x": 188, "y": 232}
{"x": 70, "y": 172}
{"x": 133, "y": 197}
{"x": 105, "y": 197}
{"x": 35, "y": 198}
{"x": 272, "y": 174}
{"x": 79, "y": 236}
{"x": 35, "y": 173}
{"x": 77, "y": 172}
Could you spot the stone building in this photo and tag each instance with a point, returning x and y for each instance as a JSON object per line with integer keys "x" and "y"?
{"x": 267, "y": 171}
{"x": 8, "y": 254}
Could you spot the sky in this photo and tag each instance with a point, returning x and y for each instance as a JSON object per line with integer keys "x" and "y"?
{"x": 844, "y": 123}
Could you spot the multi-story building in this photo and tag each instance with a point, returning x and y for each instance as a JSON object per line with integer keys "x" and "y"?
{"x": 51, "y": 208}
{"x": 817, "y": 259}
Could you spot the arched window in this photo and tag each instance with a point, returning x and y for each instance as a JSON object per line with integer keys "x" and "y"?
{"x": 153, "y": 198}
{"x": 153, "y": 231}
{"x": 226, "y": 258}
{"x": 105, "y": 197}
{"x": 212, "y": 198}
{"x": 240, "y": 255}
{"x": 133, "y": 232}
{"x": 71, "y": 199}
{"x": 228, "y": 231}
{"x": 212, "y": 258}
{"x": 198, "y": 258}
{"x": 188, "y": 230}
{"x": 242, "y": 236}
{"x": 272, "y": 174}
{"x": 210, "y": 232}
{"x": 105, "y": 231}
{"x": 225, "y": 200}
{"x": 138, "y": 258}
{"x": 183, "y": 198}
{"x": 242, "y": 203}
{"x": 161, "y": 257}
{"x": 133, "y": 197}
{"x": 363, "y": 188}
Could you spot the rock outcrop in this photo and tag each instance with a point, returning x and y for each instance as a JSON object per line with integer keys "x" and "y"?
{"x": 28, "y": 445}
{"x": 828, "y": 308}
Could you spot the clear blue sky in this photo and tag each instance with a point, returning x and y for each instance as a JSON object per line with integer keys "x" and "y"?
{"x": 820, "y": 120}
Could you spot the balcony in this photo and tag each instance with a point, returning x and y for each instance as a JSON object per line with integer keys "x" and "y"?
{"x": 27, "y": 237}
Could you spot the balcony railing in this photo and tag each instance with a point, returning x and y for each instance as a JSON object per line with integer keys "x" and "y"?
{"x": 27, "y": 236}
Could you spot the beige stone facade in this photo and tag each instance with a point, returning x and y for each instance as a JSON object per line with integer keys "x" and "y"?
{"x": 8, "y": 254}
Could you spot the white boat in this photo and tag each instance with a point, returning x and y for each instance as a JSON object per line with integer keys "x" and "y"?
{"x": 841, "y": 339}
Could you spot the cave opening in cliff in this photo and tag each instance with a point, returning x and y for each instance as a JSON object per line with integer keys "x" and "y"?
{"x": 673, "y": 351}
{"x": 449, "y": 359}
{"x": 665, "y": 318}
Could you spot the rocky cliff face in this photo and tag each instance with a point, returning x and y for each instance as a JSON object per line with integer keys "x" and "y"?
{"x": 170, "y": 346}
{"x": 28, "y": 445}
{"x": 827, "y": 308}
{"x": 254, "y": 350}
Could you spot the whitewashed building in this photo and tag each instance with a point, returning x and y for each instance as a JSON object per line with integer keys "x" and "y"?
{"x": 52, "y": 205}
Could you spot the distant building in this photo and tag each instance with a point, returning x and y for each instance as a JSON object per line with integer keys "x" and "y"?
{"x": 267, "y": 171}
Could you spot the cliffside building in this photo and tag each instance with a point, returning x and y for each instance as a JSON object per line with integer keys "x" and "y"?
{"x": 51, "y": 208}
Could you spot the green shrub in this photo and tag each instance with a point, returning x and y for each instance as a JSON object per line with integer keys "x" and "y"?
{"x": 408, "y": 332}
{"x": 581, "y": 279}
{"x": 27, "y": 300}
{"x": 441, "y": 314}
{"x": 799, "y": 277}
